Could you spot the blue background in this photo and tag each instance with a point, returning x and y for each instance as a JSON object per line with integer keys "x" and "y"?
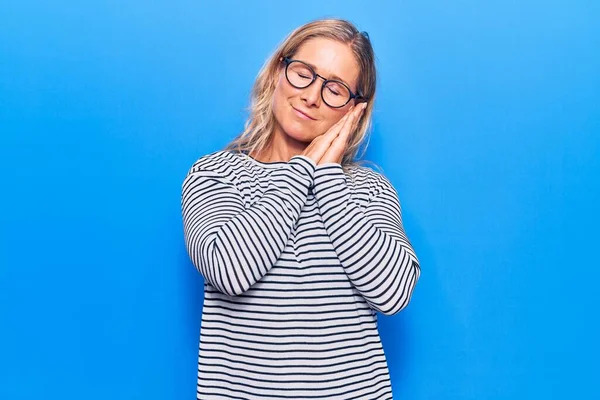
{"x": 487, "y": 122}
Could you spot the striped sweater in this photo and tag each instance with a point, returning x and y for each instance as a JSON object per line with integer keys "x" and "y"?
{"x": 297, "y": 258}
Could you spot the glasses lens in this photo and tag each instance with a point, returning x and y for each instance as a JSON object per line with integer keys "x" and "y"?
{"x": 299, "y": 74}
{"x": 336, "y": 94}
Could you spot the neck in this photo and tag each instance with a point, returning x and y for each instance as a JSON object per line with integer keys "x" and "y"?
{"x": 282, "y": 147}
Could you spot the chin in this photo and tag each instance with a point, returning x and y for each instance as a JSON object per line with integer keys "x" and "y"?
{"x": 298, "y": 131}
{"x": 299, "y": 136}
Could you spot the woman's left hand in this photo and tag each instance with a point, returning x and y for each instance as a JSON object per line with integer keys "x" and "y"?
{"x": 335, "y": 152}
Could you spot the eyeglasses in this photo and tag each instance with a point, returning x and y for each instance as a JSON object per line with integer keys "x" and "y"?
{"x": 334, "y": 93}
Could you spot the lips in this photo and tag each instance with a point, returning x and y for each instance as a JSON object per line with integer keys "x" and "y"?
{"x": 303, "y": 114}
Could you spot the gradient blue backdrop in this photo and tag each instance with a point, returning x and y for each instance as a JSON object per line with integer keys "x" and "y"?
{"x": 487, "y": 122}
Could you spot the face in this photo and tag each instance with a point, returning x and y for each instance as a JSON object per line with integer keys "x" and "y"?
{"x": 301, "y": 114}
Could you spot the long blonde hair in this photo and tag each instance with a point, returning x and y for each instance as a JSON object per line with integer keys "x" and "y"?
{"x": 261, "y": 121}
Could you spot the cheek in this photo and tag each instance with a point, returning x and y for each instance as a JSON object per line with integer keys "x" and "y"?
{"x": 279, "y": 104}
{"x": 279, "y": 98}
{"x": 284, "y": 115}
{"x": 330, "y": 118}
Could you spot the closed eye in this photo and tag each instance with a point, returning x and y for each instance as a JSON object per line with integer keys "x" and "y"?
{"x": 332, "y": 91}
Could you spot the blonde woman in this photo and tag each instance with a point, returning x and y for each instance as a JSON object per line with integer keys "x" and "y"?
{"x": 298, "y": 244}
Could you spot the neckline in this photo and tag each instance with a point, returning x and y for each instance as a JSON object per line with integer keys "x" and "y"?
{"x": 265, "y": 164}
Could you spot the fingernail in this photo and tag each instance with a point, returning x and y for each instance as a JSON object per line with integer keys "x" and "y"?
{"x": 364, "y": 105}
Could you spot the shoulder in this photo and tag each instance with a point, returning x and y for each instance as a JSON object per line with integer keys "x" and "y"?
{"x": 220, "y": 161}
{"x": 368, "y": 180}
{"x": 221, "y": 166}
{"x": 228, "y": 165}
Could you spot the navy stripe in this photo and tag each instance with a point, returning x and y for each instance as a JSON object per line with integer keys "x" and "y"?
{"x": 297, "y": 260}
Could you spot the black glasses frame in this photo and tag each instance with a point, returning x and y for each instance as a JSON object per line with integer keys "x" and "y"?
{"x": 356, "y": 96}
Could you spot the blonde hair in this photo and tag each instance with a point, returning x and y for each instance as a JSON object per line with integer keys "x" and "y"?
{"x": 260, "y": 124}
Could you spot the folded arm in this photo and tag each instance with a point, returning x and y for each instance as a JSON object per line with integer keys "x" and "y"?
{"x": 233, "y": 246}
{"x": 370, "y": 243}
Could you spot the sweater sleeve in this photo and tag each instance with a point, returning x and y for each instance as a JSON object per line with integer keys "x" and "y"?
{"x": 369, "y": 241}
{"x": 232, "y": 245}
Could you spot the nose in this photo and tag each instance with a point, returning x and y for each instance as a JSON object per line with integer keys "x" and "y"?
{"x": 311, "y": 95}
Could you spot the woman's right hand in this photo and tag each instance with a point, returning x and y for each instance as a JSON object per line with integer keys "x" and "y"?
{"x": 319, "y": 146}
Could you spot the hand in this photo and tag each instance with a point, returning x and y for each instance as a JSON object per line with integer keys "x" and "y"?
{"x": 335, "y": 152}
{"x": 330, "y": 146}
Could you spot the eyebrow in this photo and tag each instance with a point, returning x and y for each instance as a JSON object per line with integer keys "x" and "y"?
{"x": 332, "y": 77}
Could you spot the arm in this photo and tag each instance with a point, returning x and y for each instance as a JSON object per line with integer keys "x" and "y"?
{"x": 371, "y": 243}
{"x": 233, "y": 246}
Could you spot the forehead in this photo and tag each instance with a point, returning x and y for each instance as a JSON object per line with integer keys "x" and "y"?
{"x": 330, "y": 58}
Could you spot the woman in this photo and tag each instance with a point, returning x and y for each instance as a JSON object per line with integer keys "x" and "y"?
{"x": 299, "y": 246}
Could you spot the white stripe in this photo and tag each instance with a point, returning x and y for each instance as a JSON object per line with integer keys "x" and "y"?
{"x": 297, "y": 259}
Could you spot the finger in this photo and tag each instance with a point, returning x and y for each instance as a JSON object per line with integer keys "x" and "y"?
{"x": 362, "y": 107}
{"x": 349, "y": 124}
{"x": 339, "y": 142}
{"x": 334, "y": 131}
{"x": 335, "y": 152}
{"x": 320, "y": 145}
{"x": 359, "y": 113}
{"x": 335, "y": 128}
